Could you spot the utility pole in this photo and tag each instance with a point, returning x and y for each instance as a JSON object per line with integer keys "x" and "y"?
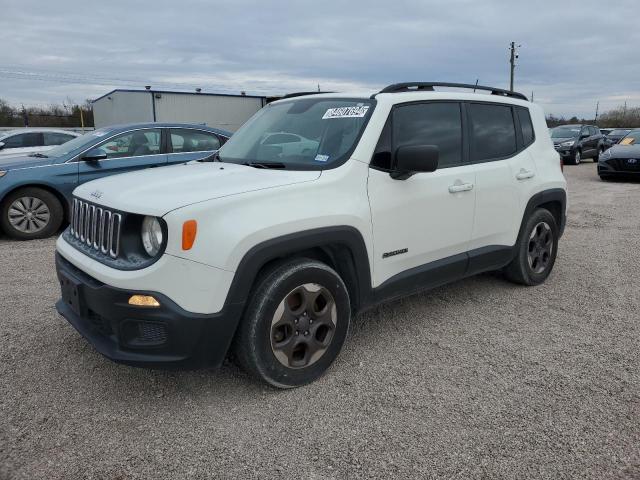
{"x": 512, "y": 61}
{"x": 597, "y": 108}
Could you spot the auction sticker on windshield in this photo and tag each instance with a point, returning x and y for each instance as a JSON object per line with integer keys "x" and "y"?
{"x": 358, "y": 111}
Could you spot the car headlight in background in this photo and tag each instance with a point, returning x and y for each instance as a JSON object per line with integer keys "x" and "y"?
{"x": 570, "y": 143}
{"x": 152, "y": 236}
{"x": 2, "y": 173}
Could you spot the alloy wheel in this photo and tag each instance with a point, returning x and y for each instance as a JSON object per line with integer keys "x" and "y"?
{"x": 540, "y": 247}
{"x": 303, "y": 325}
{"x": 29, "y": 214}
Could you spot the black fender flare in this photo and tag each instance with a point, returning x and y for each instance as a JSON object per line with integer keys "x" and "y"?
{"x": 281, "y": 247}
{"x": 544, "y": 197}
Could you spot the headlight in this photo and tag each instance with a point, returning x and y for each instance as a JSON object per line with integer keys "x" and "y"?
{"x": 151, "y": 235}
{"x": 2, "y": 173}
{"x": 570, "y": 143}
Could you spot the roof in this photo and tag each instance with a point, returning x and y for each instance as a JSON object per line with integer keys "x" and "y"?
{"x": 176, "y": 93}
{"x": 199, "y": 126}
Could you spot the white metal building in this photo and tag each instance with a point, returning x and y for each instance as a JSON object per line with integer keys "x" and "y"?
{"x": 224, "y": 111}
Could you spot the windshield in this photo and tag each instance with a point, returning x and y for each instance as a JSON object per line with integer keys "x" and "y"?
{"x": 565, "y": 132}
{"x": 632, "y": 138}
{"x": 303, "y": 134}
{"x": 76, "y": 144}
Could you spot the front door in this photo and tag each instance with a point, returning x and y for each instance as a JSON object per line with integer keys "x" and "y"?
{"x": 133, "y": 150}
{"x": 424, "y": 222}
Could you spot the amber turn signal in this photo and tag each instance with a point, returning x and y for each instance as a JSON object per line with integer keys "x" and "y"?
{"x": 189, "y": 231}
{"x": 143, "y": 301}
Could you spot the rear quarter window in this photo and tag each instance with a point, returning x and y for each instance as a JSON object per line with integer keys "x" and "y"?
{"x": 526, "y": 126}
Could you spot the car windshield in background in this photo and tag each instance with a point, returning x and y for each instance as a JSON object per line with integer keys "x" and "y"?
{"x": 76, "y": 144}
{"x": 631, "y": 139}
{"x": 565, "y": 132}
{"x": 303, "y": 134}
{"x": 618, "y": 132}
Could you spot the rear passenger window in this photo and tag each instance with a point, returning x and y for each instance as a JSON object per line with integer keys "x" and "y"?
{"x": 493, "y": 133}
{"x": 183, "y": 141}
{"x": 56, "y": 138}
{"x": 437, "y": 123}
{"x": 526, "y": 126}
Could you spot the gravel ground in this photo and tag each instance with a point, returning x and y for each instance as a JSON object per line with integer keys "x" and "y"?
{"x": 479, "y": 379}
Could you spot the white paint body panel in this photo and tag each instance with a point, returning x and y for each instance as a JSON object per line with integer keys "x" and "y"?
{"x": 238, "y": 207}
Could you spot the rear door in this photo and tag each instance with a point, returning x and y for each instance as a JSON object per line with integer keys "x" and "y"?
{"x": 186, "y": 144}
{"x": 428, "y": 217}
{"x": 504, "y": 170}
{"x": 133, "y": 150}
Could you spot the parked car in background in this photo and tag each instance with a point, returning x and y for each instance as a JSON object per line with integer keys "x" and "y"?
{"x": 33, "y": 140}
{"x": 35, "y": 201}
{"x": 605, "y": 131}
{"x": 623, "y": 159}
{"x": 576, "y": 142}
{"x": 614, "y": 136}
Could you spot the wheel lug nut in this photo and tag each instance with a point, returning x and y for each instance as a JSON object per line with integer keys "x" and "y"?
{"x": 297, "y": 332}
{"x": 295, "y": 321}
{"x": 310, "y": 321}
{"x": 306, "y": 333}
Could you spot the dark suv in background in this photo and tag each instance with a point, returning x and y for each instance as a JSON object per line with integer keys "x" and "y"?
{"x": 575, "y": 142}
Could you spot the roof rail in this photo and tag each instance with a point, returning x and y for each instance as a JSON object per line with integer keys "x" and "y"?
{"x": 300, "y": 94}
{"x": 428, "y": 86}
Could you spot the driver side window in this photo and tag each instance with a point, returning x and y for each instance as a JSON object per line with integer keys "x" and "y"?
{"x": 133, "y": 144}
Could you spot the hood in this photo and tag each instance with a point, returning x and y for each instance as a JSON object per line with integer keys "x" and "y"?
{"x": 625, "y": 151}
{"x": 563, "y": 139}
{"x": 157, "y": 191}
{"x": 21, "y": 161}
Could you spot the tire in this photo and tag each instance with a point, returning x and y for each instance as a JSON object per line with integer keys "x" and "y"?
{"x": 41, "y": 211}
{"x": 604, "y": 178}
{"x": 532, "y": 244}
{"x": 577, "y": 157}
{"x": 285, "y": 339}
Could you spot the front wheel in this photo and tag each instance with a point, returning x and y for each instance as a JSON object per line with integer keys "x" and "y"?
{"x": 536, "y": 250}
{"x": 295, "y": 323}
{"x": 31, "y": 213}
{"x": 577, "y": 157}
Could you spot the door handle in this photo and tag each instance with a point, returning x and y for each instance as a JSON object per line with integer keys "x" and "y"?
{"x": 460, "y": 187}
{"x": 524, "y": 174}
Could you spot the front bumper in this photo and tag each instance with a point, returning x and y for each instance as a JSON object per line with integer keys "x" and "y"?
{"x": 161, "y": 337}
{"x": 565, "y": 152}
{"x": 618, "y": 167}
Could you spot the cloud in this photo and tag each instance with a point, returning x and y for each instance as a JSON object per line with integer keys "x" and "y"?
{"x": 574, "y": 53}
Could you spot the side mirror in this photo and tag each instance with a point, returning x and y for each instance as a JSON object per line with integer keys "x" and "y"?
{"x": 1, "y": 145}
{"x": 94, "y": 155}
{"x": 412, "y": 159}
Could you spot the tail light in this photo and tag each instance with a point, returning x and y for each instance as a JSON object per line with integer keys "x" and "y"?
{"x": 561, "y": 165}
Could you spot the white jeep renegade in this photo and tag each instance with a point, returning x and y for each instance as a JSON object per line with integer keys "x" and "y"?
{"x": 320, "y": 206}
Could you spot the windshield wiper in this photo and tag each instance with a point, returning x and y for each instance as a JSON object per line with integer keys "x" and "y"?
{"x": 38, "y": 155}
{"x": 265, "y": 164}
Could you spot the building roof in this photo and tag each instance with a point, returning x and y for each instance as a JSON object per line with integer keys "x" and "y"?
{"x": 176, "y": 92}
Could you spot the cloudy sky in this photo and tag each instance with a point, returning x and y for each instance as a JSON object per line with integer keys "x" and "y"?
{"x": 573, "y": 54}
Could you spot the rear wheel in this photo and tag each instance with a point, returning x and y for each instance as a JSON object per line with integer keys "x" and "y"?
{"x": 295, "y": 323}
{"x": 536, "y": 250}
{"x": 31, "y": 213}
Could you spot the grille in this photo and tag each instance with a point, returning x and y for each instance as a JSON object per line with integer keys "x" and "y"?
{"x": 623, "y": 164}
{"x": 97, "y": 227}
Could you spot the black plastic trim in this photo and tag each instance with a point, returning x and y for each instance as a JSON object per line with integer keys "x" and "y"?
{"x": 193, "y": 340}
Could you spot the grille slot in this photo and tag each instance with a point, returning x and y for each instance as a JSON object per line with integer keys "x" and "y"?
{"x": 97, "y": 227}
